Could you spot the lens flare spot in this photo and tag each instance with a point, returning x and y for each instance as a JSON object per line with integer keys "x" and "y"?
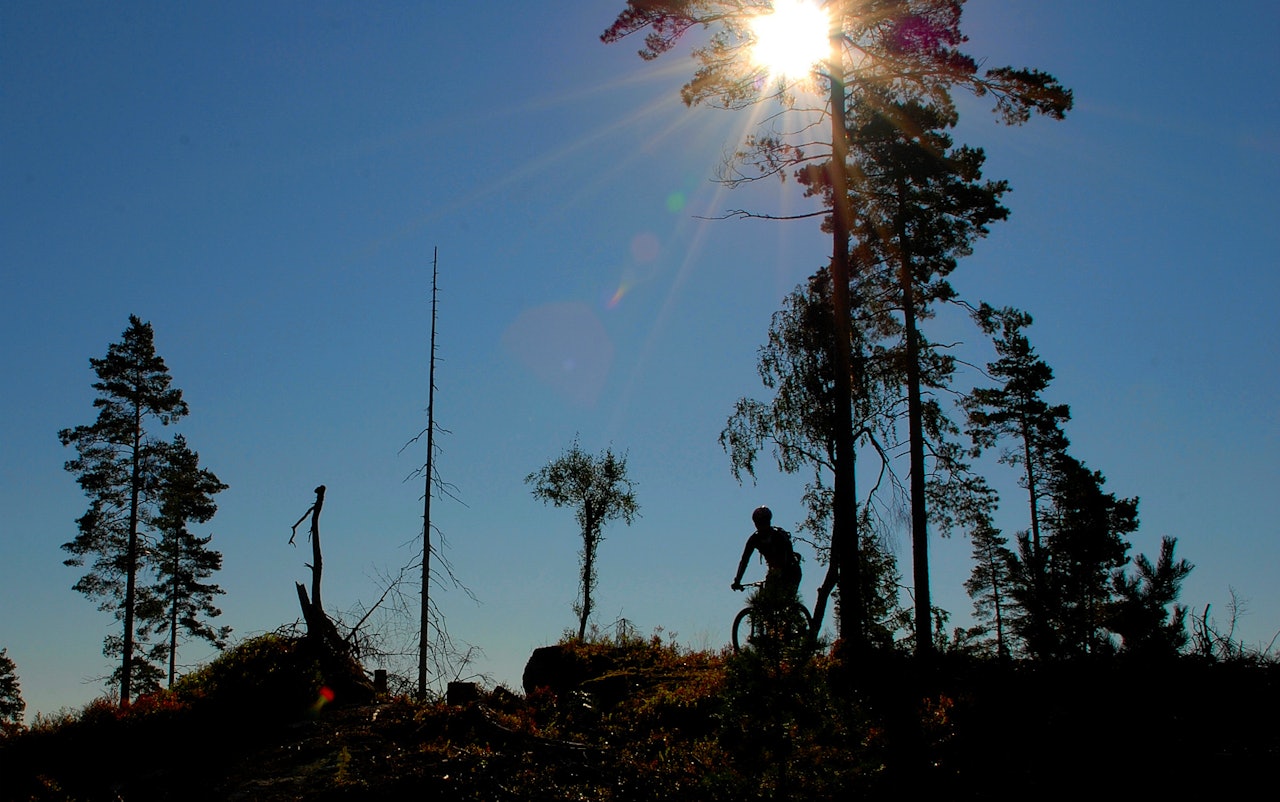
{"x": 565, "y": 346}
{"x": 326, "y": 696}
{"x": 645, "y": 247}
{"x": 676, "y": 202}
{"x": 617, "y": 296}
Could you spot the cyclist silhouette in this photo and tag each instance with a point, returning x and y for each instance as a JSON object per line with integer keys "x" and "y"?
{"x": 774, "y": 544}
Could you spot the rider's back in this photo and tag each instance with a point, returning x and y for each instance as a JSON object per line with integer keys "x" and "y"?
{"x": 775, "y": 547}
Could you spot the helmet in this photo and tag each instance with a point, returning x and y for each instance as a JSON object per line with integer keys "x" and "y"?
{"x": 762, "y": 516}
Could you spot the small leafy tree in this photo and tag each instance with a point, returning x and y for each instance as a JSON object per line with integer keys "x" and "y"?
{"x": 118, "y": 466}
{"x": 11, "y": 704}
{"x": 598, "y": 489}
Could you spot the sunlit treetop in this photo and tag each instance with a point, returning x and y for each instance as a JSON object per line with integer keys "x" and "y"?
{"x": 912, "y": 46}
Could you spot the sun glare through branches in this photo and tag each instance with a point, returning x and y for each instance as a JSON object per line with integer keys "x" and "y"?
{"x": 790, "y": 40}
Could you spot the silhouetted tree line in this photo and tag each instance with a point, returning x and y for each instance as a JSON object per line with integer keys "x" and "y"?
{"x": 1067, "y": 587}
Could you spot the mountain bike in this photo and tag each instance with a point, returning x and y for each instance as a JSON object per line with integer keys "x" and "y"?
{"x": 770, "y": 626}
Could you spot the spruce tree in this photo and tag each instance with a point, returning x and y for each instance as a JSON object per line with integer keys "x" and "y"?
{"x": 183, "y": 561}
{"x": 1087, "y": 544}
{"x": 1036, "y": 611}
{"x": 1065, "y": 589}
{"x": 989, "y": 584}
{"x": 118, "y": 465}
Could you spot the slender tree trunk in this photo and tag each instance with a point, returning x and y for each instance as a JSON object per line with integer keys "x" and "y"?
{"x": 425, "y": 606}
{"x": 585, "y": 610}
{"x": 1031, "y": 483}
{"x": 993, "y": 559}
{"x": 1037, "y": 566}
{"x": 589, "y": 540}
{"x": 131, "y": 562}
{"x": 317, "y": 559}
{"x": 839, "y": 565}
{"x": 173, "y": 611}
{"x": 846, "y": 563}
{"x": 915, "y": 423}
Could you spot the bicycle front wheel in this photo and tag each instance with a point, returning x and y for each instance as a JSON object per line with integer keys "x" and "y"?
{"x": 737, "y": 626}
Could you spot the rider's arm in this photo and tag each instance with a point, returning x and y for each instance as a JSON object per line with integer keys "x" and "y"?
{"x": 742, "y": 564}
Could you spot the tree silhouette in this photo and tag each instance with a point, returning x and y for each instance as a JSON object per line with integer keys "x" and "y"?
{"x": 118, "y": 465}
{"x": 598, "y": 489}
{"x": 799, "y": 423}
{"x": 11, "y": 704}
{"x": 1089, "y": 527}
{"x": 1146, "y": 614}
{"x": 921, "y": 204}
{"x": 989, "y": 584}
{"x": 1064, "y": 590}
{"x": 183, "y": 561}
{"x": 1016, "y": 409}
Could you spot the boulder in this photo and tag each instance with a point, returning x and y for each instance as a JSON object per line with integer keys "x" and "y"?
{"x": 563, "y": 667}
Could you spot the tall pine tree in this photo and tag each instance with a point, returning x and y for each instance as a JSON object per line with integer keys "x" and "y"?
{"x": 920, "y": 204}
{"x": 1016, "y": 409}
{"x": 1015, "y": 415}
{"x": 118, "y": 465}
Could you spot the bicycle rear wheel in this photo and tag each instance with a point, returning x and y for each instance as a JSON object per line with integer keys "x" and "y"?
{"x": 800, "y": 624}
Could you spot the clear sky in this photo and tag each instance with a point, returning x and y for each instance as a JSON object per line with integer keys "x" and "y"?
{"x": 265, "y": 184}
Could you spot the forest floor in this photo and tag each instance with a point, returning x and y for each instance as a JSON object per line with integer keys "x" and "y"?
{"x": 643, "y": 720}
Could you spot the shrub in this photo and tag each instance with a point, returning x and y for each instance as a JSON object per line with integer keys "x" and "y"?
{"x": 270, "y": 676}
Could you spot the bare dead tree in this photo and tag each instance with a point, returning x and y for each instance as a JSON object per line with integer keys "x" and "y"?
{"x": 320, "y": 628}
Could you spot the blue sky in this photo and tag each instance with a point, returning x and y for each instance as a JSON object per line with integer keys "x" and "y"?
{"x": 265, "y": 184}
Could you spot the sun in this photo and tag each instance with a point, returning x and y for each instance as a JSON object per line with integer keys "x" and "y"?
{"x": 791, "y": 39}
